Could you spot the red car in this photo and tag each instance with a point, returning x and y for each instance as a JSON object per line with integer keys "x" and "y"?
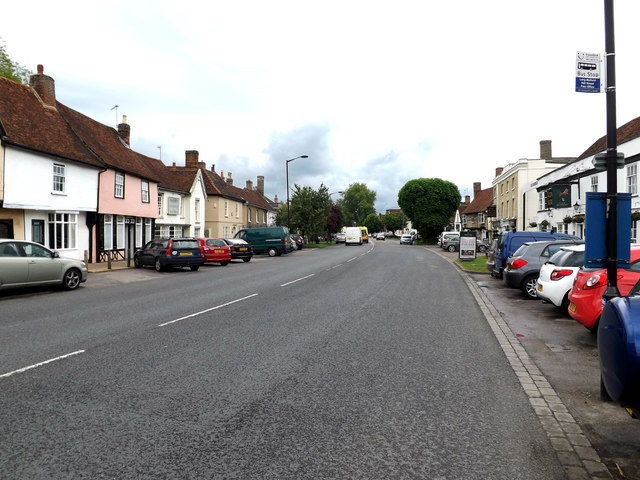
{"x": 215, "y": 250}
{"x": 586, "y": 295}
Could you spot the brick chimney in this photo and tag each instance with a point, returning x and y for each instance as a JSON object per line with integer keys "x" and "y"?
{"x": 249, "y": 185}
{"x": 261, "y": 185}
{"x": 498, "y": 171}
{"x": 124, "y": 130}
{"x": 476, "y": 188}
{"x": 213, "y": 167}
{"x": 275, "y": 199}
{"x": 191, "y": 158}
{"x": 467, "y": 199}
{"x": 44, "y": 86}
{"x": 229, "y": 179}
{"x": 545, "y": 150}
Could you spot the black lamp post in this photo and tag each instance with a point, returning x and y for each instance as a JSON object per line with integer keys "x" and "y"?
{"x": 287, "y": 164}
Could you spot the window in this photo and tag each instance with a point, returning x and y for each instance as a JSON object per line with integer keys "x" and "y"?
{"x": 464, "y": 219}
{"x": 173, "y": 207}
{"x": 138, "y": 232}
{"x": 594, "y": 183}
{"x": 108, "y": 232}
{"x": 144, "y": 190}
{"x": 506, "y": 213}
{"x": 507, "y": 189}
{"x": 160, "y": 197}
{"x": 632, "y": 179}
{"x": 37, "y": 231}
{"x": 147, "y": 229}
{"x": 181, "y": 200}
{"x": 634, "y": 231}
{"x": 58, "y": 178}
{"x": 237, "y": 210}
{"x": 62, "y": 230}
{"x": 480, "y": 218}
{"x": 118, "y": 191}
{"x": 226, "y": 208}
{"x": 197, "y": 208}
{"x": 119, "y": 231}
{"x": 226, "y": 231}
{"x": 513, "y": 184}
{"x": 248, "y": 215}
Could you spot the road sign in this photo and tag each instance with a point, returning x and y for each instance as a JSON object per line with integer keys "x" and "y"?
{"x": 588, "y": 72}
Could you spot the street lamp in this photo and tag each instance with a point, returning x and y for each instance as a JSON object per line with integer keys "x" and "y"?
{"x": 287, "y": 164}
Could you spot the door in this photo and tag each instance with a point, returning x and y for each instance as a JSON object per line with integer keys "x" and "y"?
{"x": 6, "y": 228}
{"x": 43, "y": 268}
{"x": 13, "y": 266}
{"x": 37, "y": 231}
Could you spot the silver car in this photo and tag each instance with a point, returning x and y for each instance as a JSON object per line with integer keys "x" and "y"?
{"x": 29, "y": 264}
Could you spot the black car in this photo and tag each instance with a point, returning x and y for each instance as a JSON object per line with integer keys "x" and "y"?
{"x": 298, "y": 241}
{"x": 165, "y": 253}
{"x": 240, "y": 249}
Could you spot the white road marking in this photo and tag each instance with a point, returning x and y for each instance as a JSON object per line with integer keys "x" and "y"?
{"x": 297, "y": 280}
{"x": 207, "y": 310}
{"x": 335, "y": 266}
{"x": 41, "y": 364}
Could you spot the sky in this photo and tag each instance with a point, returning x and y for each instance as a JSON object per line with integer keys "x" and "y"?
{"x": 374, "y": 92}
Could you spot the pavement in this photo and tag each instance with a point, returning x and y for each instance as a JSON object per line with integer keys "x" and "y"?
{"x": 109, "y": 266}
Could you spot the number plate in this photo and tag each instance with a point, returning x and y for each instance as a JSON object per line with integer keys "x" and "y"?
{"x": 218, "y": 251}
{"x": 243, "y": 249}
{"x": 572, "y": 307}
{"x": 185, "y": 254}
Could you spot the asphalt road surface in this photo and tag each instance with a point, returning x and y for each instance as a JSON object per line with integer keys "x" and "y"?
{"x": 371, "y": 362}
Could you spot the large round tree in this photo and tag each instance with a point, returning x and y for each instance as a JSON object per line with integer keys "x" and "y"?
{"x": 429, "y": 203}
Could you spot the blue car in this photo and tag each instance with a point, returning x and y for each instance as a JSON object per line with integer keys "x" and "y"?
{"x": 164, "y": 253}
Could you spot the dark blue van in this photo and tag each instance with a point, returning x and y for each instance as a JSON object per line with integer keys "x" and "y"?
{"x": 509, "y": 242}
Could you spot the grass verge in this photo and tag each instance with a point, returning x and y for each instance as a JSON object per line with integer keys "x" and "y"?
{"x": 476, "y": 266}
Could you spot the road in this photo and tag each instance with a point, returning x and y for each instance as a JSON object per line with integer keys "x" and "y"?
{"x": 346, "y": 362}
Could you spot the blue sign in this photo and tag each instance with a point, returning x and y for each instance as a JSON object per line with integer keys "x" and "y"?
{"x": 595, "y": 255}
{"x": 587, "y": 72}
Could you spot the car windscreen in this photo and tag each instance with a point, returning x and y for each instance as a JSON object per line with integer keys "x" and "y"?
{"x": 185, "y": 245}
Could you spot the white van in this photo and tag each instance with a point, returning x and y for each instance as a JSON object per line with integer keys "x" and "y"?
{"x": 354, "y": 236}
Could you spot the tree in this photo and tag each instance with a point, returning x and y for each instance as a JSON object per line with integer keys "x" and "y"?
{"x": 357, "y": 202}
{"x": 310, "y": 210}
{"x": 429, "y": 203}
{"x": 10, "y": 69}
{"x": 394, "y": 221}
{"x": 335, "y": 222}
{"x": 373, "y": 223}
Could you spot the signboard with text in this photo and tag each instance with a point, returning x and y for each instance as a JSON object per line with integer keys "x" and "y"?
{"x": 588, "y": 72}
{"x": 467, "y": 246}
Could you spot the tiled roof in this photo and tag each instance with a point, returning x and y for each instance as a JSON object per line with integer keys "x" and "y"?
{"x": 28, "y": 123}
{"x": 625, "y": 133}
{"x": 480, "y": 203}
{"x": 105, "y": 142}
{"x": 254, "y": 198}
{"x": 216, "y": 185}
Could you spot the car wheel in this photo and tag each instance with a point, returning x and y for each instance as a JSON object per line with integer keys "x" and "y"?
{"x": 71, "y": 279}
{"x": 529, "y": 286}
{"x": 482, "y": 249}
{"x": 136, "y": 262}
{"x": 246, "y": 259}
{"x": 451, "y": 248}
{"x": 273, "y": 252}
{"x": 564, "y": 306}
{"x": 594, "y": 329}
{"x": 224, "y": 263}
{"x": 604, "y": 395}
{"x": 194, "y": 268}
{"x": 158, "y": 265}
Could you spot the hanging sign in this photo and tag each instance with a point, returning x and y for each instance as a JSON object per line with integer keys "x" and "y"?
{"x": 588, "y": 72}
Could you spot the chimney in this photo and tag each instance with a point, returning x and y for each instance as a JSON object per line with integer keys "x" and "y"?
{"x": 476, "y": 189}
{"x": 498, "y": 171}
{"x": 545, "y": 150}
{"x": 124, "y": 130}
{"x": 173, "y": 167}
{"x": 275, "y": 199}
{"x": 261, "y": 185}
{"x": 249, "y": 185}
{"x": 222, "y": 174}
{"x": 213, "y": 167}
{"x": 44, "y": 86}
{"x": 467, "y": 199}
{"x": 229, "y": 179}
{"x": 202, "y": 165}
{"x": 191, "y": 158}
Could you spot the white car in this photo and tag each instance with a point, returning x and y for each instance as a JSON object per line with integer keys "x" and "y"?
{"x": 558, "y": 274}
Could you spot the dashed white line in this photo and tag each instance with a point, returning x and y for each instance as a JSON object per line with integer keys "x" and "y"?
{"x": 41, "y": 364}
{"x": 207, "y": 310}
{"x": 335, "y": 266}
{"x": 296, "y": 280}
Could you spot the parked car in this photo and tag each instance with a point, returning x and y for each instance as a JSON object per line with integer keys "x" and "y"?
{"x": 271, "y": 240}
{"x": 298, "y": 241}
{"x": 406, "y": 239}
{"x": 380, "y": 236}
{"x": 163, "y": 253}
{"x": 509, "y": 242}
{"x": 451, "y": 241}
{"x": 558, "y": 274}
{"x": 29, "y": 264}
{"x": 491, "y": 255}
{"x": 240, "y": 250}
{"x": 523, "y": 267}
{"x": 341, "y": 237}
{"x": 585, "y": 298}
{"x": 215, "y": 250}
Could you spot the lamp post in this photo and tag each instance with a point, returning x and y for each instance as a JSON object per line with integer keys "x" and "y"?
{"x": 287, "y": 164}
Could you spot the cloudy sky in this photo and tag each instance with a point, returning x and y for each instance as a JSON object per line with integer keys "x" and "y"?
{"x": 376, "y": 92}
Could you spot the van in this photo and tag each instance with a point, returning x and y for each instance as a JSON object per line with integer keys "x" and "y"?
{"x": 365, "y": 234}
{"x": 509, "y": 242}
{"x": 271, "y": 240}
{"x": 353, "y": 236}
